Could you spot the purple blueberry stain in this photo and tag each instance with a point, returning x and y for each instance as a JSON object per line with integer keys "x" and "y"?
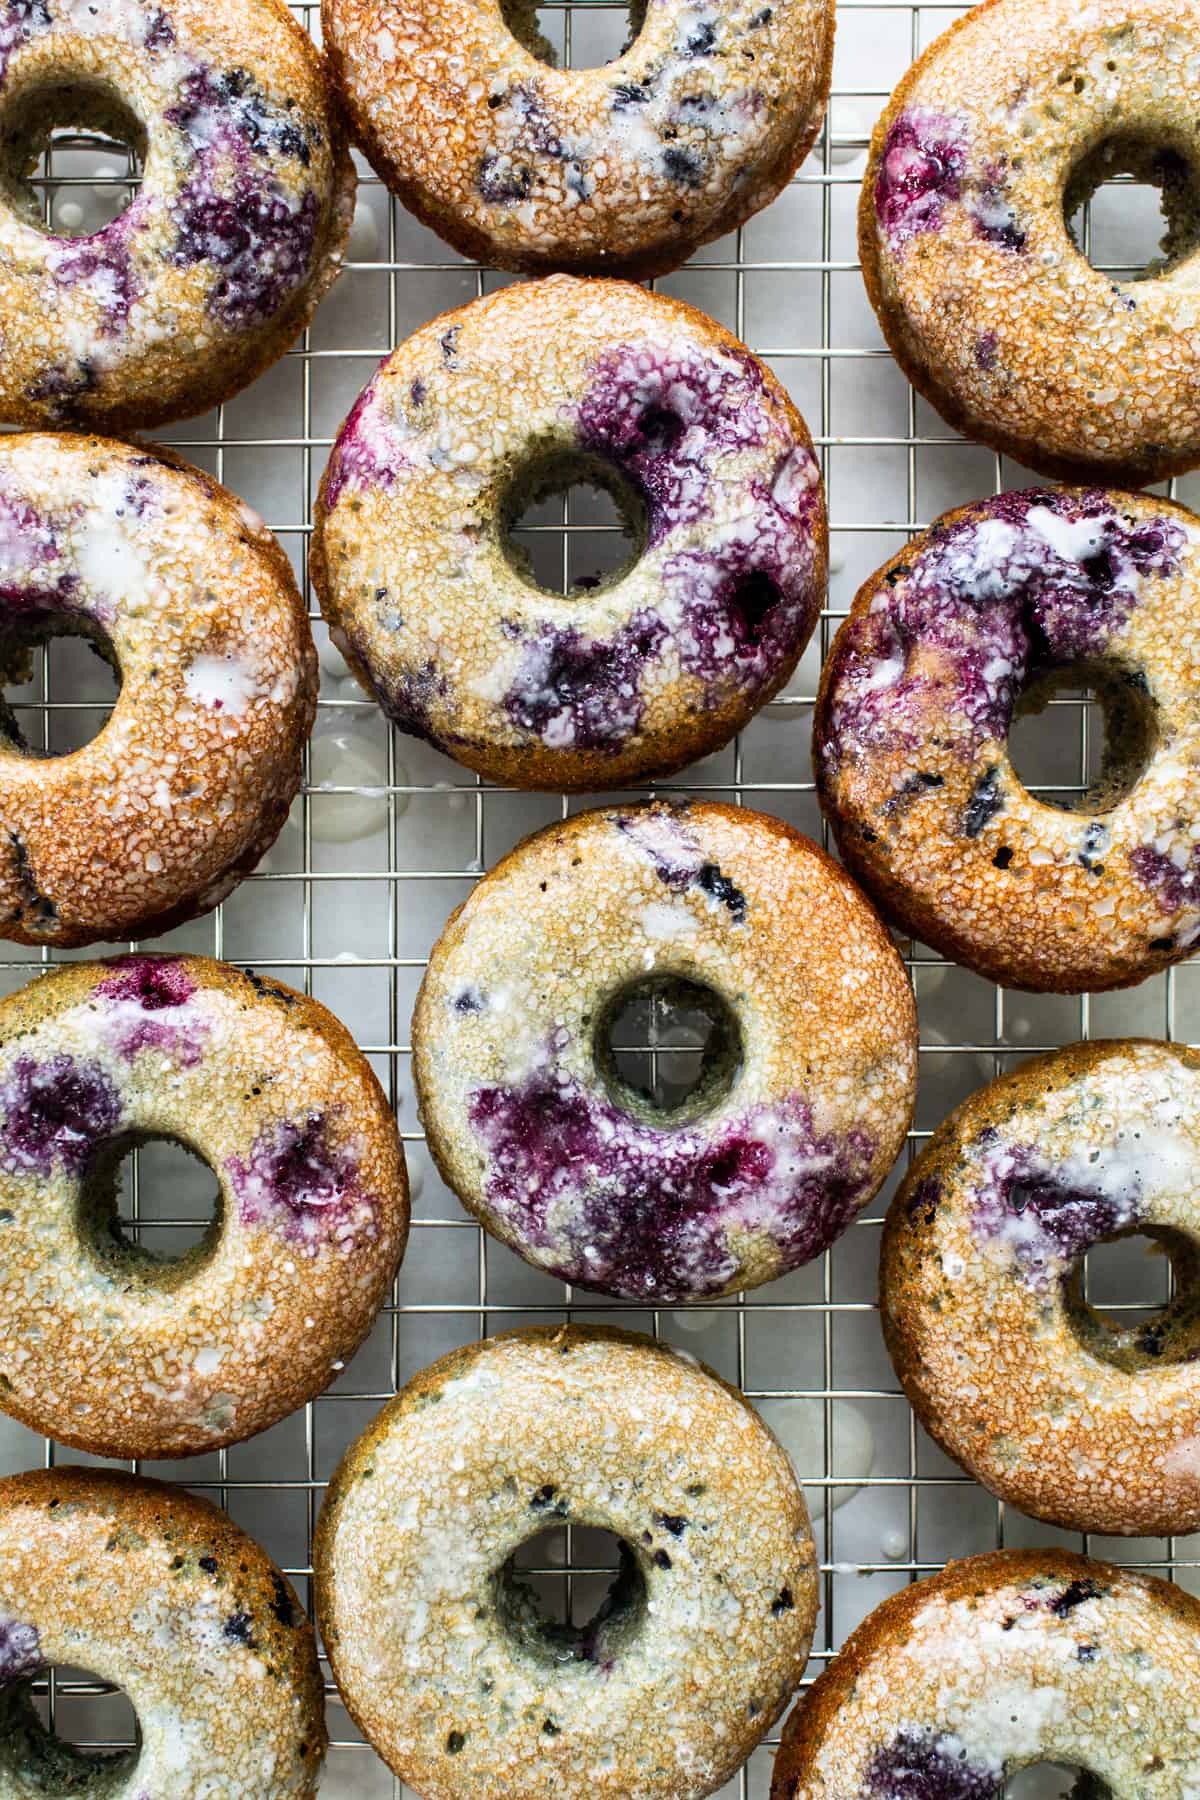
{"x": 1046, "y": 1215}
{"x": 662, "y": 835}
{"x": 154, "y": 982}
{"x": 55, "y": 1111}
{"x": 20, "y": 20}
{"x": 924, "y": 1764}
{"x": 581, "y": 693}
{"x": 145, "y": 997}
{"x": 20, "y": 1650}
{"x": 102, "y": 267}
{"x": 303, "y": 1184}
{"x": 369, "y": 451}
{"x": 614, "y": 1204}
{"x": 921, "y": 172}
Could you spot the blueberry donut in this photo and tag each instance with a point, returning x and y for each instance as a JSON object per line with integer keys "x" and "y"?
{"x": 517, "y": 396}
{"x": 103, "y": 1345}
{"x": 1002, "y": 1663}
{"x": 158, "y": 1592}
{"x": 235, "y": 234}
{"x": 807, "y": 1083}
{"x": 978, "y": 620}
{"x": 1052, "y": 1407}
{"x": 442, "y": 1653}
{"x": 194, "y": 604}
{"x": 629, "y": 167}
{"x": 993, "y": 140}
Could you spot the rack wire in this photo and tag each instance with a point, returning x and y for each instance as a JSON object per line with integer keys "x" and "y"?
{"x": 352, "y": 923}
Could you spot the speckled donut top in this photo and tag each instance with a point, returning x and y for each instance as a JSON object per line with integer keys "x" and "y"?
{"x": 193, "y": 601}
{"x": 1001, "y": 1662}
{"x": 234, "y": 236}
{"x": 627, "y": 167}
{"x": 101, "y": 1345}
{"x": 1074, "y": 1420}
{"x": 460, "y": 426}
{"x": 917, "y": 699}
{"x": 439, "y": 1650}
{"x": 1008, "y": 122}
{"x": 790, "y": 1134}
{"x": 151, "y": 1588}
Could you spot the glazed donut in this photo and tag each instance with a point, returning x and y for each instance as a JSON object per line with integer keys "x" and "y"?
{"x": 489, "y": 408}
{"x": 976, "y": 621}
{"x": 193, "y": 602}
{"x": 441, "y": 1652}
{"x": 807, "y": 1088}
{"x": 155, "y": 1590}
{"x": 1001, "y": 1663}
{"x": 626, "y": 168}
{"x": 1007, "y": 124}
{"x": 236, "y": 233}
{"x": 102, "y": 1345}
{"x": 1009, "y": 1369}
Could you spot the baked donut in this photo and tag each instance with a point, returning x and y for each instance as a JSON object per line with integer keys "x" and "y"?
{"x": 626, "y": 168}
{"x": 995, "y": 137}
{"x": 1001, "y": 1663}
{"x": 807, "y": 1085}
{"x": 157, "y": 1591}
{"x": 1077, "y": 1422}
{"x": 193, "y": 602}
{"x": 978, "y": 620}
{"x": 104, "y": 1346}
{"x": 519, "y": 395}
{"x": 442, "y": 1654}
{"x": 237, "y": 230}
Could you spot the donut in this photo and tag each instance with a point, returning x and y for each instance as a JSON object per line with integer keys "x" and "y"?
{"x": 103, "y": 1345}
{"x": 627, "y": 168}
{"x": 193, "y": 603}
{"x": 160, "y": 1593}
{"x": 1077, "y": 1422}
{"x": 236, "y": 232}
{"x": 807, "y": 1086}
{"x": 522, "y": 394}
{"x": 992, "y": 141}
{"x": 1001, "y": 1663}
{"x": 441, "y": 1652}
{"x": 975, "y": 622}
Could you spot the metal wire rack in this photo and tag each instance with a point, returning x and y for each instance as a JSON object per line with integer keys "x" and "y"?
{"x": 351, "y": 919}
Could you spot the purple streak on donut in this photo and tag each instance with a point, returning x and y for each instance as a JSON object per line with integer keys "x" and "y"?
{"x": 369, "y": 451}
{"x": 1175, "y": 887}
{"x": 20, "y": 1650}
{"x": 611, "y": 1203}
{"x": 140, "y": 993}
{"x": 20, "y": 20}
{"x": 103, "y": 265}
{"x": 921, "y": 171}
{"x": 921, "y": 1764}
{"x": 28, "y": 542}
{"x": 55, "y": 1111}
{"x": 663, "y": 837}
{"x": 1048, "y": 1215}
{"x": 581, "y": 693}
{"x": 302, "y": 1184}
{"x": 154, "y": 981}
{"x": 1022, "y": 583}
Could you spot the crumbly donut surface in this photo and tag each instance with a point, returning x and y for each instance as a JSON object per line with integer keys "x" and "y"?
{"x": 1088, "y": 1426}
{"x": 642, "y": 673}
{"x": 623, "y": 169}
{"x": 576, "y": 1172}
{"x": 1010, "y": 119}
{"x": 107, "y": 1349}
{"x": 441, "y": 1659}
{"x": 234, "y": 236}
{"x": 158, "y": 1591}
{"x": 189, "y": 781}
{"x": 1001, "y": 1662}
{"x": 919, "y": 693}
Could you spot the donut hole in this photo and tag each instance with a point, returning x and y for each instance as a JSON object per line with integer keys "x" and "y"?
{"x": 150, "y": 1207}
{"x": 67, "y": 1731}
{"x": 574, "y": 37}
{"x": 1133, "y": 1299}
{"x": 570, "y": 1595}
{"x": 45, "y": 653}
{"x": 71, "y": 157}
{"x": 667, "y": 1049}
{"x": 1083, "y": 735}
{"x": 1045, "y": 1781}
{"x": 1132, "y": 207}
{"x": 571, "y": 523}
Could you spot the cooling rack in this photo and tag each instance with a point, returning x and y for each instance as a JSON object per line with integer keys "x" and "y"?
{"x": 388, "y": 836}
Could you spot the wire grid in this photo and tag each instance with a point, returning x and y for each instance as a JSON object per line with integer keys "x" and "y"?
{"x": 808, "y": 1341}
